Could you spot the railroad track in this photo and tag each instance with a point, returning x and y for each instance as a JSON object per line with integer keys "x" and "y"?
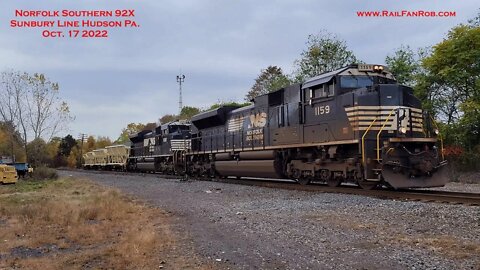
{"x": 407, "y": 195}
{"x": 423, "y": 195}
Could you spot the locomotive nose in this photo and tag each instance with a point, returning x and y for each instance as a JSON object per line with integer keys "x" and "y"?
{"x": 403, "y": 168}
{"x": 398, "y": 177}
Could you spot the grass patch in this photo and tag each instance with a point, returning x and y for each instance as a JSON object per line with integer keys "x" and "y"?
{"x": 71, "y": 223}
{"x": 23, "y": 186}
{"x": 43, "y": 173}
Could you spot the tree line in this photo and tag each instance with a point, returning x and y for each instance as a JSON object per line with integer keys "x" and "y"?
{"x": 30, "y": 110}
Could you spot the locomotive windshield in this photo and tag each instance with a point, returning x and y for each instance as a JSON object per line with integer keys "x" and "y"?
{"x": 178, "y": 128}
{"x": 359, "y": 81}
{"x": 355, "y": 81}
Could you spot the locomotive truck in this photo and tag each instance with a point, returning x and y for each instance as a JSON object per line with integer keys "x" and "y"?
{"x": 355, "y": 124}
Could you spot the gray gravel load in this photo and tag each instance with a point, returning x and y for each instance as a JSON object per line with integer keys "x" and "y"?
{"x": 246, "y": 227}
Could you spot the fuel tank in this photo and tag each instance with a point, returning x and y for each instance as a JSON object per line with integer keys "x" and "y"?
{"x": 147, "y": 164}
{"x": 223, "y": 156}
{"x": 250, "y": 168}
{"x": 257, "y": 155}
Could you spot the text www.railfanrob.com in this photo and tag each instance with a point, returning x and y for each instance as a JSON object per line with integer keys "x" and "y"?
{"x": 406, "y": 13}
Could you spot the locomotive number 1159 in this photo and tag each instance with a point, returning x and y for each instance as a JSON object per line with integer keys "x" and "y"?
{"x": 322, "y": 110}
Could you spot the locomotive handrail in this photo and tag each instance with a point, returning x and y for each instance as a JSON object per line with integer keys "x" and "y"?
{"x": 242, "y": 142}
{"x": 252, "y": 142}
{"x": 439, "y": 135}
{"x": 363, "y": 140}
{"x": 380, "y": 131}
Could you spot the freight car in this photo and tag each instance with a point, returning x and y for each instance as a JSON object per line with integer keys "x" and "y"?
{"x": 355, "y": 124}
{"x": 109, "y": 158}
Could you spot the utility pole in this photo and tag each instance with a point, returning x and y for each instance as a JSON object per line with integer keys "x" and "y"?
{"x": 180, "y": 80}
{"x": 82, "y": 137}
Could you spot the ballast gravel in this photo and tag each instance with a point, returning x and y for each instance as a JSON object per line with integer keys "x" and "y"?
{"x": 246, "y": 227}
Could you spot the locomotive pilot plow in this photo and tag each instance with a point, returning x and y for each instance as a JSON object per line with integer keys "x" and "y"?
{"x": 401, "y": 177}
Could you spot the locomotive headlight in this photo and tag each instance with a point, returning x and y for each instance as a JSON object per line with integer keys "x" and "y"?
{"x": 436, "y": 131}
{"x": 403, "y": 130}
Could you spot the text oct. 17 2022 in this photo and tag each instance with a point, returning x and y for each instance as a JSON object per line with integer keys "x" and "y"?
{"x": 74, "y": 23}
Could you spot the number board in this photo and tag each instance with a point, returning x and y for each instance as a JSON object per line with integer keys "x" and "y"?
{"x": 320, "y": 110}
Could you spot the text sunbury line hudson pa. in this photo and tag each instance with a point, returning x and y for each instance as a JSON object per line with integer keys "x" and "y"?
{"x": 78, "y": 24}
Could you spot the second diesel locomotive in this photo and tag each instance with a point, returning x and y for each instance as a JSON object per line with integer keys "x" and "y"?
{"x": 355, "y": 124}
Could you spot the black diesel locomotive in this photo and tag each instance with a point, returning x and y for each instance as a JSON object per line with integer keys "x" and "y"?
{"x": 355, "y": 124}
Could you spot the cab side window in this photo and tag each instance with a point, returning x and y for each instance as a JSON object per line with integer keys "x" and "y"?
{"x": 325, "y": 90}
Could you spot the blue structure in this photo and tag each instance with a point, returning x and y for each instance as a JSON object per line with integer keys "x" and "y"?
{"x": 21, "y": 167}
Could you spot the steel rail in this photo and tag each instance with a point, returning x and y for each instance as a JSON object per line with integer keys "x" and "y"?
{"x": 422, "y": 195}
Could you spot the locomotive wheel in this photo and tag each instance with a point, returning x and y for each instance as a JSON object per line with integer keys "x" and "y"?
{"x": 334, "y": 181}
{"x": 367, "y": 185}
{"x": 304, "y": 181}
{"x": 211, "y": 173}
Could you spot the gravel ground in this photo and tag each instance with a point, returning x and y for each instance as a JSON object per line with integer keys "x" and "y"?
{"x": 460, "y": 187}
{"x": 244, "y": 227}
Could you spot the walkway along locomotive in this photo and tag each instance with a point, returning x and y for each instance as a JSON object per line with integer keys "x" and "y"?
{"x": 355, "y": 124}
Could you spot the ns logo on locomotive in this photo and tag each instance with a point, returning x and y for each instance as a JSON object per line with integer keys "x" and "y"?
{"x": 355, "y": 124}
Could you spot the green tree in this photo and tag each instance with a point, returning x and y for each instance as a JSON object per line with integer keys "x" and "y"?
{"x": 73, "y": 159}
{"x": 150, "y": 126}
{"x": 66, "y": 145}
{"x": 269, "y": 80}
{"x": 325, "y": 52}
{"x": 229, "y": 103}
{"x": 11, "y": 143}
{"x": 37, "y": 150}
{"x": 404, "y": 64}
{"x": 90, "y": 144}
{"x": 52, "y": 151}
{"x": 131, "y": 128}
{"x": 188, "y": 112}
{"x": 102, "y": 142}
{"x": 453, "y": 76}
{"x": 167, "y": 118}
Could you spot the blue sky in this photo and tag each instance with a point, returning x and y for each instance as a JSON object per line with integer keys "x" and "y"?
{"x": 219, "y": 45}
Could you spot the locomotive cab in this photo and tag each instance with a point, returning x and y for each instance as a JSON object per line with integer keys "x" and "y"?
{"x": 399, "y": 141}
{"x": 365, "y": 110}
